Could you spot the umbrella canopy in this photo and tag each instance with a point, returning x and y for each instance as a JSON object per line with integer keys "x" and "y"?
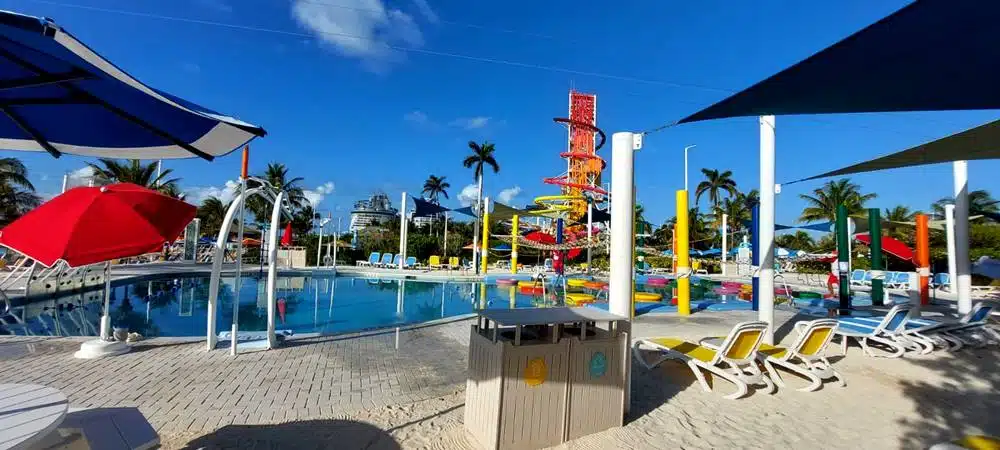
{"x": 286, "y": 237}
{"x": 251, "y": 242}
{"x": 59, "y": 96}
{"x": 890, "y": 246}
{"x": 987, "y": 266}
{"x": 87, "y": 225}
{"x": 502, "y": 248}
{"x": 712, "y": 252}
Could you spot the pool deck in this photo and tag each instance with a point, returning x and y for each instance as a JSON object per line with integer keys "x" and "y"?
{"x": 407, "y": 388}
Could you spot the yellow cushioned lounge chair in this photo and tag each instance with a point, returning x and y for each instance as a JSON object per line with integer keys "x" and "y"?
{"x": 733, "y": 360}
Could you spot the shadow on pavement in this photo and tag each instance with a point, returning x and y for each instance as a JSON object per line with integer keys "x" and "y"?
{"x": 306, "y": 434}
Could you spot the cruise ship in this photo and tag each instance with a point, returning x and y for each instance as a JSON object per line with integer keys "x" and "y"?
{"x": 375, "y": 211}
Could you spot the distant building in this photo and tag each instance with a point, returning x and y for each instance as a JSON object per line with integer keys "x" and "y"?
{"x": 423, "y": 221}
{"x": 375, "y": 211}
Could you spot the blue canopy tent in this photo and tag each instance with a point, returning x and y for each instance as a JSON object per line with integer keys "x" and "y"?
{"x": 59, "y": 96}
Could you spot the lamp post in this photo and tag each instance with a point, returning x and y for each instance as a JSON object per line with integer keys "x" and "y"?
{"x": 686, "y": 165}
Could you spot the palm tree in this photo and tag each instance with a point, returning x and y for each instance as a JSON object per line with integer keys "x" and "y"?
{"x": 436, "y": 186}
{"x": 899, "y": 213}
{"x": 715, "y": 183}
{"x": 135, "y": 172}
{"x": 980, "y": 201}
{"x": 277, "y": 175}
{"x": 17, "y": 194}
{"x": 482, "y": 156}
{"x": 212, "y": 213}
{"x": 822, "y": 205}
{"x": 800, "y": 240}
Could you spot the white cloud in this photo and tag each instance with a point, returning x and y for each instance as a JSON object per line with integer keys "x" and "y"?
{"x": 505, "y": 196}
{"x": 426, "y": 11}
{"x": 362, "y": 29}
{"x": 316, "y": 196}
{"x": 417, "y": 117}
{"x": 196, "y": 195}
{"x": 470, "y": 123}
{"x": 468, "y": 195}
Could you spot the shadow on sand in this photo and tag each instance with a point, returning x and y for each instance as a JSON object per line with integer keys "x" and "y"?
{"x": 304, "y": 435}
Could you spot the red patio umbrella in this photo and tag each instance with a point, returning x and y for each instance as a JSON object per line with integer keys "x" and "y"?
{"x": 286, "y": 237}
{"x": 87, "y": 225}
{"x": 889, "y": 245}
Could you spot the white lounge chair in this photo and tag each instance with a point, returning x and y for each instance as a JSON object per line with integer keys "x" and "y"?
{"x": 885, "y": 332}
{"x": 734, "y": 360}
{"x": 857, "y": 277}
{"x": 372, "y": 260}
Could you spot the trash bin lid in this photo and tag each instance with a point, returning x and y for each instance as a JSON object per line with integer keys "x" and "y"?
{"x": 544, "y": 316}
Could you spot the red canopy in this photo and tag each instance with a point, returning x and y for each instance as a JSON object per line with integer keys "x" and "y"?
{"x": 286, "y": 237}
{"x": 889, "y": 245}
{"x": 86, "y": 225}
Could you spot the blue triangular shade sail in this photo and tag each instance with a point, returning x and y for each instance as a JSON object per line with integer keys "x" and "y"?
{"x": 58, "y": 95}
{"x": 424, "y": 208}
{"x": 466, "y": 210}
{"x": 931, "y": 55}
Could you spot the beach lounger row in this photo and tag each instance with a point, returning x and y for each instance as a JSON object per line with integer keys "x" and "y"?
{"x": 388, "y": 261}
{"x": 737, "y": 357}
{"x": 897, "y": 280}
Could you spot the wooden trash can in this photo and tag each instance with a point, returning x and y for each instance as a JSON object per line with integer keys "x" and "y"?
{"x": 521, "y": 376}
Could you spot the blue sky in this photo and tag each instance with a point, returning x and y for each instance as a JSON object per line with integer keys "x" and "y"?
{"x": 351, "y": 112}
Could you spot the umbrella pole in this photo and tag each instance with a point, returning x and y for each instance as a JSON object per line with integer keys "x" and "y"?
{"x": 106, "y": 317}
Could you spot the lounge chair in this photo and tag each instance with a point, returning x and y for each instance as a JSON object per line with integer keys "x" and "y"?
{"x": 385, "y": 262}
{"x": 411, "y": 263}
{"x": 806, "y": 356}
{"x": 956, "y": 334}
{"x": 372, "y": 260}
{"x": 857, "y": 277}
{"x": 733, "y": 360}
{"x": 434, "y": 262}
{"x": 397, "y": 261}
{"x": 885, "y": 332}
{"x": 941, "y": 280}
{"x": 453, "y": 263}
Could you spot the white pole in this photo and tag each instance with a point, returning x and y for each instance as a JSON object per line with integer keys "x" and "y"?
{"x": 65, "y": 182}
{"x": 686, "y": 165}
{"x": 106, "y": 318}
{"x": 725, "y": 240}
{"x": 446, "y": 235}
{"x": 590, "y": 233}
{"x": 475, "y": 230}
{"x": 336, "y": 244}
{"x": 159, "y": 170}
{"x": 949, "y": 225}
{"x": 319, "y": 246}
{"x": 622, "y": 224}
{"x": 963, "y": 266}
{"x": 402, "y": 232}
{"x": 272, "y": 272}
{"x": 765, "y": 228}
{"x": 239, "y": 268}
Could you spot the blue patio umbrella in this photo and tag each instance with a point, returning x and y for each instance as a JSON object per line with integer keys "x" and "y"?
{"x": 712, "y": 252}
{"x": 502, "y": 248}
{"x": 58, "y": 95}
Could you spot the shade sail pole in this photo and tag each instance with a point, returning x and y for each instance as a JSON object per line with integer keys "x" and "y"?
{"x": 878, "y": 266}
{"x": 949, "y": 229}
{"x": 683, "y": 258}
{"x": 402, "y": 233}
{"x": 766, "y": 226}
{"x": 725, "y": 240}
{"x": 622, "y": 224}
{"x": 963, "y": 266}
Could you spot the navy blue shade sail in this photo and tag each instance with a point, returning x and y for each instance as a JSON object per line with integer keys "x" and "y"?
{"x": 931, "y": 55}
{"x": 59, "y": 96}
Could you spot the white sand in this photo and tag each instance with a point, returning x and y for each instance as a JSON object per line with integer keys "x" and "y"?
{"x": 904, "y": 403}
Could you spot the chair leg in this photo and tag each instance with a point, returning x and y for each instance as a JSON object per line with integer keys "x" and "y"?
{"x": 700, "y": 376}
{"x": 741, "y": 387}
{"x": 775, "y": 376}
{"x": 836, "y": 375}
{"x": 814, "y": 381}
{"x": 898, "y": 349}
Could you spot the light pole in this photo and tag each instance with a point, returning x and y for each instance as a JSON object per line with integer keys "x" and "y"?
{"x": 686, "y": 165}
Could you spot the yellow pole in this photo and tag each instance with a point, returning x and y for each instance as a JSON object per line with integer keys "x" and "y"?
{"x": 683, "y": 263}
{"x": 486, "y": 233}
{"x": 513, "y": 244}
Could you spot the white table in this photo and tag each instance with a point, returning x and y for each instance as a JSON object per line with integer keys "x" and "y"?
{"x": 28, "y": 412}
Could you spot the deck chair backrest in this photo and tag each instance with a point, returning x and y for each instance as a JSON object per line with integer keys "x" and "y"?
{"x": 980, "y": 312}
{"x": 894, "y": 319}
{"x": 411, "y": 261}
{"x": 434, "y": 261}
{"x": 743, "y": 341}
{"x": 387, "y": 258}
{"x": 397, "y": 259}
{"x": 857, "y": 275}
{"x": 373, "y": 258}
{"x": 815, "y": 337}
{"x": 453, "y": 261}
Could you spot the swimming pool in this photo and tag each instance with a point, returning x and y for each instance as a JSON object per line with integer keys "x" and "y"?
{"x": 306, "y": 304}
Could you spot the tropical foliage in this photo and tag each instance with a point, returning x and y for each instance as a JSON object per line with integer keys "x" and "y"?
{"x": 822, "y": 203}
{"x": 277, "y": 175}
{"x": 211, "y": 212}
{"x": 980, "y": 202}
{"x": 899, "y": 213}
{"x": 107, "y": 171}
{"x": 715, "y": 185}
{"x": 435, "y": 187}
{"x": 482, "y": 156}
{"x": 17, "y": 194}
{"x": 800, "y": 240}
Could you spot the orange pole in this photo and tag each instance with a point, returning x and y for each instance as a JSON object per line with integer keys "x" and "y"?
{"x": 923, "y": 258}
{"x": 244, "y": 168}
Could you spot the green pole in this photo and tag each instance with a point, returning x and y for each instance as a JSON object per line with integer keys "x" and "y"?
{"x": 843, "y": 259}
{"x": 878, "y": 266}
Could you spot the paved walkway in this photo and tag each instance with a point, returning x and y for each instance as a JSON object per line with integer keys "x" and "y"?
{"x": 180, "y": 387}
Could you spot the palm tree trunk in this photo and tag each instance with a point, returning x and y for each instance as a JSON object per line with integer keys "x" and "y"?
{"x": 475, "y": 231}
